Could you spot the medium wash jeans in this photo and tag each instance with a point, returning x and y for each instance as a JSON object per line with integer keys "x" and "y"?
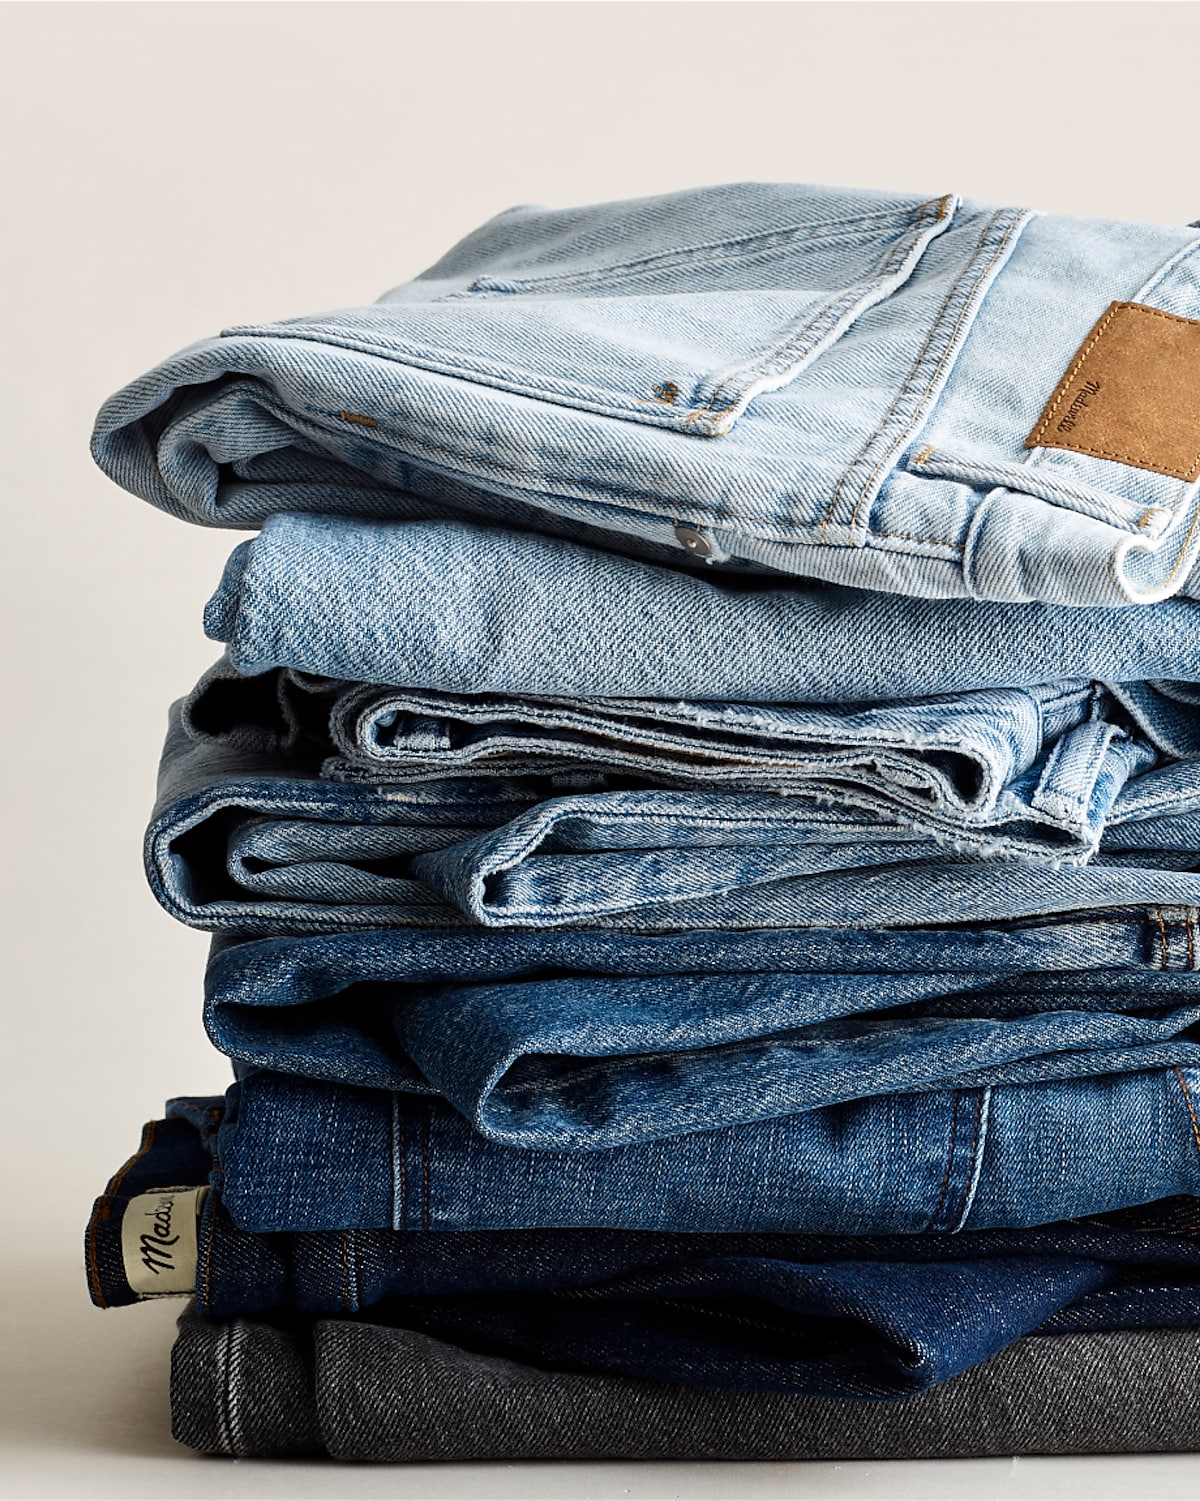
{"x": 248, "y": 841}
{"x": 303, "y": 1154}
{"x": 366, "y": 1391}
{"x": 864, "y": 1317}
{"x": 819, "y": 381}
{"x": 1027, "y": 773}
{"x": 572, "y": 1042}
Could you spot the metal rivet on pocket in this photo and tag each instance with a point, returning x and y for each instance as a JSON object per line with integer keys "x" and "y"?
{"x": 693, "y": 541}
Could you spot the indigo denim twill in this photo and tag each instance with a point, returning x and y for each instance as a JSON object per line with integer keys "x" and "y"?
{"x": 584, "y": 1041}
{"x": 828, "y": 382}
{"x": 468, "y": 608}
{"x": 849, "y": 1316}
{"x": 247, "y": 841}
{"x": 301, "y": 1154}
{"x": 368, "y": 1391}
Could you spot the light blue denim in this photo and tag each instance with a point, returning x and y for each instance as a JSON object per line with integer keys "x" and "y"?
{"x": 827, "y": 382}
{"x": 472, "y": 609}
{"x": 1026, "y": 773}
{"x": 245, "y": 840}
{"x": 299, "y": 1154}
{"x": 582, "y": 1041}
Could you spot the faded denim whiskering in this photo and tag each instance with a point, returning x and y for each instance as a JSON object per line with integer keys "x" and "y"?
{"x": 827, "y": 382}
{"x": 588, "y": 1040}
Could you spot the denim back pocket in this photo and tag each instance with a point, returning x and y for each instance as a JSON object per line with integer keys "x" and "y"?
{"x": 682, "y": 336}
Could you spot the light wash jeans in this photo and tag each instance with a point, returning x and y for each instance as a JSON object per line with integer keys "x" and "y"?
{"x": 246, "y": 841}
{"x": 827, "y": 382}
{"x": 1028, "y": 773}
{"x": 473, "y": 609}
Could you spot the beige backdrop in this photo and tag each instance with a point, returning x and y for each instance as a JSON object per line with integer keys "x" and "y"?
{"x": 168, "y": 169}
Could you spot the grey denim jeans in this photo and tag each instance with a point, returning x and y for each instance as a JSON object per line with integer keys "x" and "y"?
{"x": 367, "y": 1391}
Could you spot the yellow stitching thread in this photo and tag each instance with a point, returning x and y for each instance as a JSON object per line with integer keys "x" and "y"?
{"x": 1068, "y": 380}
{"x": 1187, "y": 1100}
{"x": 897, "y": 253}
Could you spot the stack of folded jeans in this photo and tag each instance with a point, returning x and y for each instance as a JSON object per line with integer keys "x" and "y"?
{"x": 699, "y": 814}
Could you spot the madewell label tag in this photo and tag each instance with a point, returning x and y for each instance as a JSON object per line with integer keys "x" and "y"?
{"x": 1132, "y": 393}
{"x": 158, "y": 1241}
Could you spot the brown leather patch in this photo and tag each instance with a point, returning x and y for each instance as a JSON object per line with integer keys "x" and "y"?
{"x": 1132, "y": 393}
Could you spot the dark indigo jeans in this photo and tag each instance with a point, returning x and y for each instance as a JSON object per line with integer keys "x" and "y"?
{"x": 835, "y": 1316}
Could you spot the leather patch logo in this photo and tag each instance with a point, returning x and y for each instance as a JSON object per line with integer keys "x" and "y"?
{"x": 1132, "y": 393}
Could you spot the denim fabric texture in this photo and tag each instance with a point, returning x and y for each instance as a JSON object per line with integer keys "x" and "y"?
{"x": 1034, "y": 773}
{"x": 366, "y": 1391}
{"x": 778, "y": 376}
{"x": 834, "y": 1316}
{"x": 248, "y": 839}
{"x": 305, "y": 1154}
{"x": 472, "y": 608}
{"x": 699, "y": 818}
{"x": 595, "y": 1039}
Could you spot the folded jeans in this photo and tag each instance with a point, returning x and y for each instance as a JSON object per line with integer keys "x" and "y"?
{"x": 817, "y": 381}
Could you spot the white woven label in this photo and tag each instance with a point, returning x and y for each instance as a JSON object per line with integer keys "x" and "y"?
{"x": 158, "y": 1241}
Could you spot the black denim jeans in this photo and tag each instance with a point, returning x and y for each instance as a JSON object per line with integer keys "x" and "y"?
{"x": 366, "y": 1391}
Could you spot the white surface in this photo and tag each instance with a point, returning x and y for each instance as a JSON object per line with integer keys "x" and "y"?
{"x": 171, "y": 169}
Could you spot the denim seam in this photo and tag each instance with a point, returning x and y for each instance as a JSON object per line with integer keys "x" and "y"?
{"x": 1162, "y": 935}
{"x": 975, "y": 1165}
{"x": 662, "y": 508}
{"x": 935, "y": 329}
{"x": 399, "y": 1166}
{"x": 903, "y": 435}
{"x": 831, "y": 311}
{"x": 456, "y": 365}
{"x": 1176, "y": 569}
{"x": 206, "y": 1284}
{"x": 937, "y": 1208}
{"x": 1064, "y": 494}
{"x": 1187, "y": 1100}
{"x": 204, "y": 1250}
{"x": 826, "y": 231}
{"x": 225, "y": 1390}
